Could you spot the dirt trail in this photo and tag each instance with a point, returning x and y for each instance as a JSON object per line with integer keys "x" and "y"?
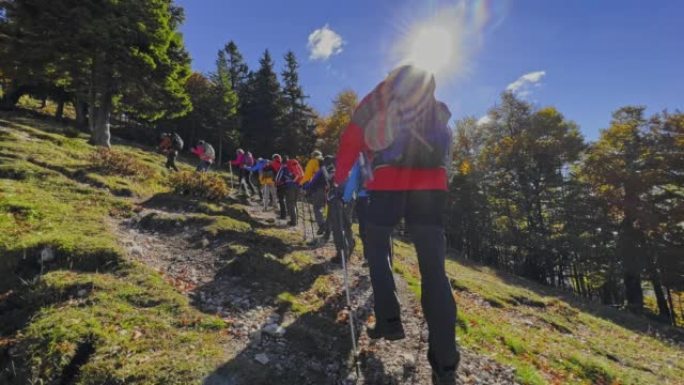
{"x": 271, "y": 343}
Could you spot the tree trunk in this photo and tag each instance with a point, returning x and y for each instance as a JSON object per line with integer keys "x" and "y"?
{"x": 663, "y": 309}
{"x": 220, "y": 154}
{"x": 11, "y": 97}
{"x": 81, "y": 108}
{"x": 673, "y": 318}
{"x": 59, "y": 114}
{"x": 100, "y": 111}
{"x": 43, "y": 102}
{"x": 632, "y": 266}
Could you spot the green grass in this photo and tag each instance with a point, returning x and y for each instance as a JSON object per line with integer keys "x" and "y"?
{"x": 118, "y": 322}
{"x": 549, "y": 339}
{"x": 134, "y": 327}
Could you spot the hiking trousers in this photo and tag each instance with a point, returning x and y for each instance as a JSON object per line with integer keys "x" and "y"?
{"x": 291, "y": 192}
{"x": 281, "y": 201}
{"x": 171, "y": 160}
{"x": 203, "y": 166}
{"x": 245, "y": 183}
{"x": 361, "y": 210}
{"x": 423, "y": 214}
{"x": 317, "y": 200}
{"x": 270, "y": 195}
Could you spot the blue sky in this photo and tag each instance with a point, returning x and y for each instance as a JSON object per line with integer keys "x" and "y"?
{"x": 586, "y": 57}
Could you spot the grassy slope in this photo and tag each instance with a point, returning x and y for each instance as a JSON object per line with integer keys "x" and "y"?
{"x": 134, "y": 327}
{"x": 549, "y": 338}
{"x": 92, "y": 307}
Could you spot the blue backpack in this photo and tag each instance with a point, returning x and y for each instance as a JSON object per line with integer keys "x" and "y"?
{"x": 423, "y": 142}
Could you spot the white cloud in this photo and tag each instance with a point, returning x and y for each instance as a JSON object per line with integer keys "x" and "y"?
{"x": 324, "y": 43}
{"x": 524, "y": 83}
{"x": 484, "y": 120}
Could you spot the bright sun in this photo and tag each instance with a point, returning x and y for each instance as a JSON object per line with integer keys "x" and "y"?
{"x": 431, "y": 48}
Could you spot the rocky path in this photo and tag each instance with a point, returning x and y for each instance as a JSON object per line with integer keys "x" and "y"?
{"x": 275, "y": 344}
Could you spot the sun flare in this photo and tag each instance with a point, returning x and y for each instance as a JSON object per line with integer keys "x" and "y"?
{"x": 431, "y": 48}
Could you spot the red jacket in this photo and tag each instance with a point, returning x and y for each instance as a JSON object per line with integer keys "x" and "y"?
{"x": 387, "y": 178}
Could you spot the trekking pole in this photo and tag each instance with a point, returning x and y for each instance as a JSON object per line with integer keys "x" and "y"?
{"x": 303, "y": 217}
{"x": 336, "y": 204}
{"x": 311, "y": 218}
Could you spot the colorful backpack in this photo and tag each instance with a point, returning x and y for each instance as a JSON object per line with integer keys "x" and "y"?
{"x": 403, "y": 125}
{"x": 177, "y": 142}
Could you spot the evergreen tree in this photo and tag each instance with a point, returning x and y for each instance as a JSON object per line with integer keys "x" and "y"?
{"x": 237, "y": 68}
{"x": 263, "y": 110}
{"x": 298, "y": 128}
{"x": 226, "y": 102}
{"x": 125, "y": 54}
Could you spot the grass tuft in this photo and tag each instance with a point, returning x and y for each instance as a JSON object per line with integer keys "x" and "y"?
{"x": 200, "y": 185}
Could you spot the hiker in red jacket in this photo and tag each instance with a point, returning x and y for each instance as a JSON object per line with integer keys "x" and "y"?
{"x": 241, "y": 164}
{"x": 402, "y": 131}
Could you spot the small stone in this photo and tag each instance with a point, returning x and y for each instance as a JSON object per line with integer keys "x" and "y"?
{"x": 205, "y": 242}
{"x": 261, "y": 358}
{"x": 137, "y": 251}
{"x": 409, "y": 360}
{"x": 274, "y": 318}
{"x": 270, "y": 329}
{"x": 47, "y": 255}
{"x": 82, "y": 293}
{"x": 255, "y": 337}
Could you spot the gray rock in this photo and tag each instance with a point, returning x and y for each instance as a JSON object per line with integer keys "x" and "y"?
{"x": 270, "y": 328}
{"x": 137, "y": 251}
{"x": 47, "y": 255}
{"x": 255, "y": 337}
{"x": 261, "y": 358}
{"x": 205, "y": 242}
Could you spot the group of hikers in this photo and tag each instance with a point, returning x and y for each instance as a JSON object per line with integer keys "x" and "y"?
{"x": 391, "y": 165}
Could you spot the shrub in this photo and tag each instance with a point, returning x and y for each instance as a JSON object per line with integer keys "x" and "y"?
{"x": 201, "y": 185}
{"x": 118, "y": 163}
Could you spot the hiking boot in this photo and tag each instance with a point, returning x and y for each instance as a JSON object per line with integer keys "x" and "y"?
{"x": 444, "y": 378}
{"x": 393, "y": 331}
{"x": 292, "y": 224}
{"x": 321, "y": 230}
{"x": 337, "y": 259}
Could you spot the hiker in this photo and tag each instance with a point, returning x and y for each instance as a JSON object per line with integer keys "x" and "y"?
{"x": 403, "y": 130}
{"x": 326, "y": 174}
{"x": 206, "y": 153}
{"x": 241, "y": 163}
{"x": 267, "y": 174}
{"x": 277, "y": 164}
{"x": 255, "y": 171}
{"x": 170, "y": 145}
{"x": 288, "y": 178}
{"x": 315, "y": 196}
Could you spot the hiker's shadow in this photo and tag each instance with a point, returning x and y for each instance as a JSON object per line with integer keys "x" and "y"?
{"x": 315, "y": 349}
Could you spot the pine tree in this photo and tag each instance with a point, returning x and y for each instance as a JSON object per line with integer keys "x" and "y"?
{"x": 226, "y": 102}
{"x": 126, "y": 54}
{"x": 263, "y": 110}
{"x": 298, "y": 129}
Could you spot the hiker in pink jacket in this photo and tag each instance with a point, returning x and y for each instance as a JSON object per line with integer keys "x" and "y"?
{"x": 206, "y": 153}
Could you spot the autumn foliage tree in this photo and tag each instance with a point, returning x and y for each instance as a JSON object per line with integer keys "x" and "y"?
{"x": 329, "y": 128}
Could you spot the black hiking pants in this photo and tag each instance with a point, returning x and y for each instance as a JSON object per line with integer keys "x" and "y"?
{"x": 423, "y": 214}
{"x": 291, "y": 193}
{"x": 361, "y": 210}
{"x": 280, "y": 192}
{"x": 171, "y": 160}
